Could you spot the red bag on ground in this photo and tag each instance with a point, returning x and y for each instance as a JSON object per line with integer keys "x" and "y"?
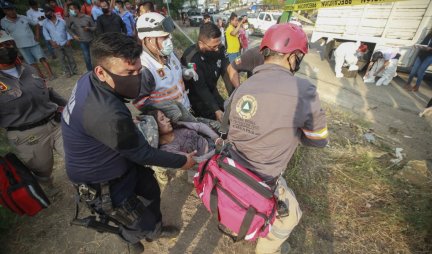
{"x": 242, "y": 203}
{"x": 19, "y": 190}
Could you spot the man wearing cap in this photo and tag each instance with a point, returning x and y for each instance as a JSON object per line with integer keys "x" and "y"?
{"x": 271, "y": 113}
{"x": 18, "y": 26}
{"x": 164, "y": 88}
{"x": 104, "y": 148}
{"x": 29, "y": 111}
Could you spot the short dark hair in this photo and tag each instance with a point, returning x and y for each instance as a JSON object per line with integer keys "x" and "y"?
{"x": 74, "y": 4}
{"x": 148, "y": 5}
{"x": 32, "y": 2}
{"x": 209, "y": 31}
{"x": 48, "y": 9}
{"x": 114, "y": 45}
{"x": 206, "y": 16}
{"x": 233, "y": 16}
{"x": 119, "y": 2}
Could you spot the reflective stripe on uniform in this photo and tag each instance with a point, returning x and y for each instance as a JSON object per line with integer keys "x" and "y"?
{"x": 316, "y": 135}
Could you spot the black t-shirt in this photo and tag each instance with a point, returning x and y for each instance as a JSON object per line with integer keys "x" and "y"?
{"x": 110, "y": 24}
{"x": 248, "y": 61}
{"x": 427, "y": 41}
{"x": 203, "y": 93}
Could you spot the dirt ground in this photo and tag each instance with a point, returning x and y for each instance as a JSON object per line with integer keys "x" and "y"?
{"x": 389, "y": 111}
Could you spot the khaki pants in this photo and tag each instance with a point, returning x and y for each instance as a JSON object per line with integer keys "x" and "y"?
{"x": 282, "y": 227}
{"x": 35, "y": 148}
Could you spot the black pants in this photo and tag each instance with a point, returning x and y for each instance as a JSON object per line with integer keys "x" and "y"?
{"x": 139, "y": 182}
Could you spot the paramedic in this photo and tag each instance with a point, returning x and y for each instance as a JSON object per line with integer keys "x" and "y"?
{"x": 348, "y": 52}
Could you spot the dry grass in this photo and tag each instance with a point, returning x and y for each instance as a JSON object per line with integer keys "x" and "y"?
{"x": 351, "y": 201}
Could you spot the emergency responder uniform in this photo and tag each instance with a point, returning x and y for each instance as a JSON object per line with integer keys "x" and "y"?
{"x": 163, "y": 87}
{"x": 244, "y": 63}
{"x": 349, "y": 53}
{"x": 203, "y": 93}
{"x": 248, "y": 61}
{"x": 383, "y": 65}
{"x": 103, "y": 146}
{"x": 271, "y": 113}
{"x": 29, "y": 111}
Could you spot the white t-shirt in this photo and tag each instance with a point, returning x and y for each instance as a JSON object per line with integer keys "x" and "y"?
{"x": 35, "y": 15}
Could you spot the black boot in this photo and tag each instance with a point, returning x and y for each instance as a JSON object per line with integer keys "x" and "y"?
{"x": 166, "y": 232}
{"x": 136, "y": 248}
{"x": 169, "y": 232}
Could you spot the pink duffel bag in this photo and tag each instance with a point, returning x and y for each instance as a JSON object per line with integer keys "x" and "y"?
{"x": 242, "y": 203}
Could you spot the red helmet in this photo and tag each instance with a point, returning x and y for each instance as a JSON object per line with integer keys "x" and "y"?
{"x": 285, "y": 38}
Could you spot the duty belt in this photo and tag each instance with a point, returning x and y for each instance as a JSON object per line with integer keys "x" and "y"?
{"x": 32, "y": 125}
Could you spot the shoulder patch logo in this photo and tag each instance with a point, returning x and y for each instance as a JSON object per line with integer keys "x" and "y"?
{"x": 3, "y": 87}
{"x": 238, "y": 60}
{"x": 247, "y": 106}
{"x": 161, "y": 73}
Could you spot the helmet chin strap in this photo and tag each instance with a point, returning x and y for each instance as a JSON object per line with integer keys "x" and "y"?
{"x": 158, "y": 55}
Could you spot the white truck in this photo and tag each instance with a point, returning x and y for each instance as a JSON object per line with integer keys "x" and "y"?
{"x": 262, "y": 21}
{"x": 396, "y": 25}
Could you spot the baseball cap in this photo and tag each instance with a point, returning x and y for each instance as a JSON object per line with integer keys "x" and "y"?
{"x": 8, "y": 5}
{"x": 5, "y": 36}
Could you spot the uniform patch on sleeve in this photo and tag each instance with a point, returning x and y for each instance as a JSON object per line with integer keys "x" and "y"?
{"x": 247, "y": 106}
{"x": 161, "y": 73}
{"x": 237, "y": 60}
{"x": 3, "y": 87}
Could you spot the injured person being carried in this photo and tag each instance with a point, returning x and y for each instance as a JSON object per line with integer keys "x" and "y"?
{"x": 180, "y": 137}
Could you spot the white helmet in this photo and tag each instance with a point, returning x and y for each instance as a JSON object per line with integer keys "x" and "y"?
{"x": 153, "y": 24}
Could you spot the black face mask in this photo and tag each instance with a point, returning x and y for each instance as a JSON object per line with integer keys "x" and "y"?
{"x": 48, "y": 15}
{"x": 211, "y": 54}
{"x": 126, "y": 86}
{"x": 105, "y": 10}
{"x": 298, "y": 61}
{"x": 8, "y": 55}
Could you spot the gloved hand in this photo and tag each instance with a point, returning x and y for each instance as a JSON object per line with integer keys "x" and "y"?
{"x": 190, "y": 73}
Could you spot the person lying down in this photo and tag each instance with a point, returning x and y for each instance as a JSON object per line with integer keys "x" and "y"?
{"x": 185, "y": 137}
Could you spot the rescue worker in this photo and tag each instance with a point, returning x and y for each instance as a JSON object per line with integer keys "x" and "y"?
{"x": 383, "y": 65}
{"x": 349, "y": 53}
{"x": 163, "y": 85}
{"x": 210, "y": 61}
{"x": 103, "y": 147}
{"x": 29, "y": 111}
{"x": 244, "y": 63}
{"x": 266, "y": 127}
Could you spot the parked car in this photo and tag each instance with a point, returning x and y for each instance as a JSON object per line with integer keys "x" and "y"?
{"x": 193, "y": 12}
{"x": 263, "y": 21}
{"x": 196, "y": 20}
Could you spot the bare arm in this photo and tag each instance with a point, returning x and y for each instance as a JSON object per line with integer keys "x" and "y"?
{"x": 233, "y": 76}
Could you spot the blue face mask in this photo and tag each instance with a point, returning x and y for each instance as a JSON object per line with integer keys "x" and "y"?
{"x": 167, "y": 47}
{"x": 89, "y": 1}
{"x": 72, "y": 13}
{"x": 117, "y": 8}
